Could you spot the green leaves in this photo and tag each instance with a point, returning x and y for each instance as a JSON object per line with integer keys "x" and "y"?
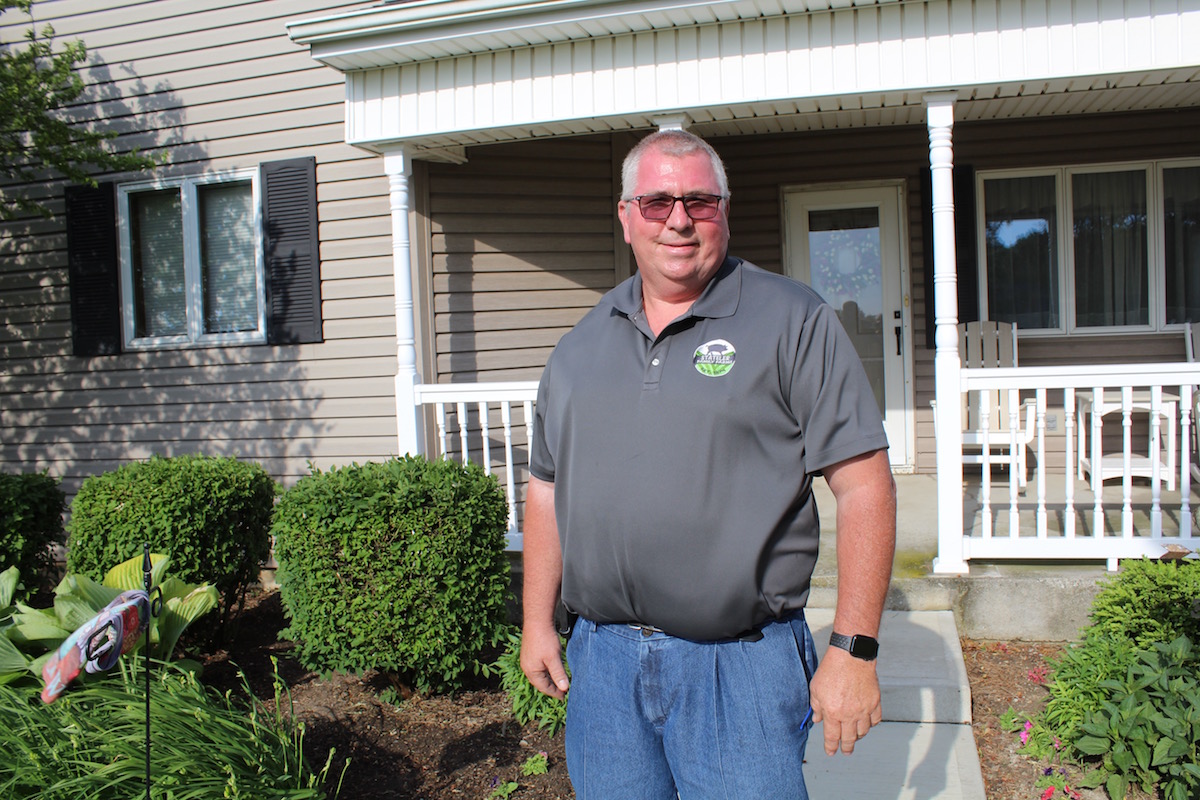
{"x": 32, "y": 634}
{"x": 1125, "y": 702}
{"x": 212, "y": 516}
{"x": 398, "y": 566}
{"x": 528, "y": 704}
{"x": 37, "y": 82}
{"x": 91, "y": 743}
{"x": 1145, "y": 733}
{"x": 31, "y": 508}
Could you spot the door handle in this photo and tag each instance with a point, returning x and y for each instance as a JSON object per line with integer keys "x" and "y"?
{"x": 899, "y": 340}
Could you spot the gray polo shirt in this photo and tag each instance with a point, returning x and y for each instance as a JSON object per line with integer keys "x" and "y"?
{"x": 683, "y": 464}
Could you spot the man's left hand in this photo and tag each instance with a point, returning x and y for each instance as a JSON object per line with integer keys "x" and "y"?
{"x": 844, "y": 695}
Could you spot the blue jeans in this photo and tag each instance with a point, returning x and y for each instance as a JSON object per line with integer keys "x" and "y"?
{"x": 653, "y": 716}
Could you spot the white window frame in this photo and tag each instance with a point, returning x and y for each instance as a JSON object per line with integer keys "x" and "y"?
{"x": 1065, "y": 245}
{"x": 193, "y": 279}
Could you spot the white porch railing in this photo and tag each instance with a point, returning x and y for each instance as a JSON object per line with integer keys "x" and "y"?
{"x": 1064, "y": 513}
{"x": 468, "y": 415}
{"x": 1062, "y": 516}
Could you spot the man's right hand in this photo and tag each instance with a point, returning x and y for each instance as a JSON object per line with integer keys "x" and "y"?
{"x": 541, "y": 660}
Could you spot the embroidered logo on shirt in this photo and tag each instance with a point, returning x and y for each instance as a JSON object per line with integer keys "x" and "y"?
{"x": 714, "y": 358}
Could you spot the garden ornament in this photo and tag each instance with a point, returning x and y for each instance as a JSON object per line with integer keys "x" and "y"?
{"x": 97, "y": 644}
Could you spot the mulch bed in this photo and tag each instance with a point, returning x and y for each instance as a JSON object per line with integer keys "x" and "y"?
{"x": 469, "y": 746}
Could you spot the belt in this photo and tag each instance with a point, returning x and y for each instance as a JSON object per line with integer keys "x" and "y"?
{"x": 752, "y": 635}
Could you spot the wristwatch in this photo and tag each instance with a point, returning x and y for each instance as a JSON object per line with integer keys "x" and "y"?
{"x": 859, "y": 646}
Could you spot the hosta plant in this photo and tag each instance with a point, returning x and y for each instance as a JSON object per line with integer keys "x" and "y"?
{"x": 28, "y": 636}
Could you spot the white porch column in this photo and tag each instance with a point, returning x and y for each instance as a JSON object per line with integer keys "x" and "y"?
{"x": 398, "y": 166}
{"x": 940, "y": 118}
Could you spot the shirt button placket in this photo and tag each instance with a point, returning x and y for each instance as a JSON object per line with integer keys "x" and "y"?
{"x": 654, "y": 364}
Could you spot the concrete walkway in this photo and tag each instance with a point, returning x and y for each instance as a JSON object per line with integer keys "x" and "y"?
{"x": 924, "y": 749}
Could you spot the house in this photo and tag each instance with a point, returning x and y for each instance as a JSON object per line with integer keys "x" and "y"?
{"x": 920, "y": 163}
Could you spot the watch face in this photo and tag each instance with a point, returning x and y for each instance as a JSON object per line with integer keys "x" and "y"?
{"x": 864, "y": 647}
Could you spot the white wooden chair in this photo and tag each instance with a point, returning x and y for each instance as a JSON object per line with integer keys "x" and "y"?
{"x": 992, "y": 344}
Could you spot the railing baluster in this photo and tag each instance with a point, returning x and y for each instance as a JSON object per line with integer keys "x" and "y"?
{"x": 485, "y": 434}
{"x": 464, "y": 453}
{"x": 1185, "y": 461}
{"x": 1126, "y": 461}
{"x": 510, "y": 482}
{"x": 1014, "y": 477}
{"x": 1097, "y": 467}
{"x": 440, "y": 411}
{"x": 985, "y": 425}
{"x": 1068, "y": 476}
{"x": 1040, "y": 405}
{"x": 1155, "y": 462}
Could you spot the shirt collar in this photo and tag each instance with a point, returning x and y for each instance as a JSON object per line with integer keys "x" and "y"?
{"x": 719, "y": 299}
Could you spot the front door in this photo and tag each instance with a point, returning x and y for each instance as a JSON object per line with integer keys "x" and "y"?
{"x": 846, "y": 244}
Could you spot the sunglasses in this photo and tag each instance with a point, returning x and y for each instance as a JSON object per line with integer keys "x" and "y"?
{"x": 658, "y": 207}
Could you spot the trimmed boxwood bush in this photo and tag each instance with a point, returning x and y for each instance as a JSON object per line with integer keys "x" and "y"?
{"x": 31, "y": 509}
{"x": 397, "y": 566}
{"x": 1149, "y": 602}
{"x": 212, "y": 516}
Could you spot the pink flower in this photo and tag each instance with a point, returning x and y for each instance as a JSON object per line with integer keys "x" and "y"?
{"x": 1046, "y": 795}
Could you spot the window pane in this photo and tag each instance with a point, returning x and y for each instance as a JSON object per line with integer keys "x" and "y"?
{"x": 1021, "y": 229}
{"x": 227, "y": 258}
{"x": 1112, "y": 275}
{"x": 156, "y": 244}
{"x": 1181, "y": 246}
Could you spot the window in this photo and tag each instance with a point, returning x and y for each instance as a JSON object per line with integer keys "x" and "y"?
{"x": 1181, "y": 242}
{"x": 1091, "y": 249}
{"x": 101, "y": 253}
{"x": 191, "y": 265}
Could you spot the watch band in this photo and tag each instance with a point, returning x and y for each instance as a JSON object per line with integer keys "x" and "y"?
{"x": 859, "y": 646}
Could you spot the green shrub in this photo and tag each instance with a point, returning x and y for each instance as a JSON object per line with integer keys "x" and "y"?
{"x": 397, "y": 566}
{"x": 31, "y": 509}
{"x": 1149, "y": 602}
{"x": 1148, "y": 732}
{"x": 528, "y": 704}
{"x": 1076, "y": 687}
{"x": 212, "y": 516}
{"x": 1125, "y": 702}
{"x": 91, "y": 743}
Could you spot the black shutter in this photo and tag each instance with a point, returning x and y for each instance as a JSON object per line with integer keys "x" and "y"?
{"x": 93, "y": 271}
{"x": 289, "y": 212}
{"x": 966, "y": 256}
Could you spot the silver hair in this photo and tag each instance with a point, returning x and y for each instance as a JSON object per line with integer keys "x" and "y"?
{"x": 671, "y": 142}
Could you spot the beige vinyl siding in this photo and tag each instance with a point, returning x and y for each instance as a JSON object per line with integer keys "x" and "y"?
{"x": 216, "y": 86}
{"x": 522, "y": 245}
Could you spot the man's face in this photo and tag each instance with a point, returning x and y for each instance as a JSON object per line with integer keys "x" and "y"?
{"x": 677, "y": 256}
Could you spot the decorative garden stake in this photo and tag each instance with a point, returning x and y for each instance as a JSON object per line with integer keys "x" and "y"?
{"x": 96, "y": 645}
{"x": 147, "y": 568}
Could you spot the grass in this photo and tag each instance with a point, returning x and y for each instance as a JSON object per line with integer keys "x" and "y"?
{"x": 91, "y": 742}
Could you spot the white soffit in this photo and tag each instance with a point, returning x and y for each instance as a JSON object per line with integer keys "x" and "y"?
{"x": 400, "y": 33}
{"x": 443, "y": 74}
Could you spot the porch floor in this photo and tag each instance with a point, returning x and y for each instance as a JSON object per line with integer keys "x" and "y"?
{"x": 1030, "y": 600}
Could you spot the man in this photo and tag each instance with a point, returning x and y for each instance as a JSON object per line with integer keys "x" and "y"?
{"x": 678, "y": 428}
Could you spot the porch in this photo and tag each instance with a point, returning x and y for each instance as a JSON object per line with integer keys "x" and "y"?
{"x": 1026, "y": 559}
